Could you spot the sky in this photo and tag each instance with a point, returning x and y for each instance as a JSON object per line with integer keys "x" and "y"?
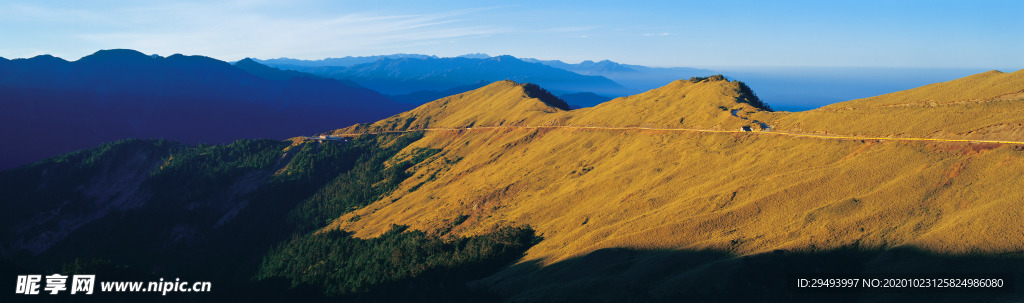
{"x": 865, "y": 33}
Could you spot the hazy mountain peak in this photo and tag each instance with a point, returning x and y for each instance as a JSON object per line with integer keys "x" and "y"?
{"x": 504, "y": 58}
{"x": 249, "y": 63}
{"x": 195, "y": 59}
{"x": 251, "y": 66}
{"x": 119, "y": 53}
{"x": 475, "y": 56}
{"x": 338, "y": 62}
{"x": 46, "y": 58}
{"x": 117, "y": 57}
{"x": 271, "y": 73}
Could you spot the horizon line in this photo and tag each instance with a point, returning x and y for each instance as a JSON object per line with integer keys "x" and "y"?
{"x": 697, "y": 66}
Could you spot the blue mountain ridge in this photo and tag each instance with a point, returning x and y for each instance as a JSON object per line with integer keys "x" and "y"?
{"x": 54, "y": 106}
{"x": 400, "y": 76}
{"x": 786, "y": 88}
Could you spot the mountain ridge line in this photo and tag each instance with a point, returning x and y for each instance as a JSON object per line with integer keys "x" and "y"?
{"x": 836, "y": 137}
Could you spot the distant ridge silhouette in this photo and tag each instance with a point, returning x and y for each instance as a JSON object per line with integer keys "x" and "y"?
{"x": 395, "y": 75}
{"x": 52, "y": 106}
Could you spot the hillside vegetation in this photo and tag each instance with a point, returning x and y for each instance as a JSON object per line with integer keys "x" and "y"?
{"x": 742, "y": 194}
{"x": 141, "y": 209}
{"x": 697, "y": 103}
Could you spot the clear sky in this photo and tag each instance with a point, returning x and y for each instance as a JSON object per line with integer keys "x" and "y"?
{"x": 864, "y": 33}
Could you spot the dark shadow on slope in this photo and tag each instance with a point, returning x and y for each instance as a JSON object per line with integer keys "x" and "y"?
{"x": 398, "y": 266}
{"x": 201, "y": 213}
{"x": 628, "y": 275}
{"x": 746, "y": 94}
{"x": 535, "y": 91}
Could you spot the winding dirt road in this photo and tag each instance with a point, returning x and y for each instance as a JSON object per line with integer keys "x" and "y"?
{"x": 697, "y": 130}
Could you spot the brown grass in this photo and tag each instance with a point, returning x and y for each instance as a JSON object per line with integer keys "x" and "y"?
{"x": 584, "y": 190}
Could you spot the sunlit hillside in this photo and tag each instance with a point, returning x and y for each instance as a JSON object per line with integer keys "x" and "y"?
{"x": 745, "y": 193}
{"x": 982, "y": 106}
{"x": 985, "y": 86}
{"x": 699, "y": 103}
{"x": 500, "y": 103}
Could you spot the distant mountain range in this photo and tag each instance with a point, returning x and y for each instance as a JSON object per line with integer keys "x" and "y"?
{"x": 52, "y": 106}
{"x": 636, "y": 78}
{"x": 785, "y": 88}
{"x": 410, "y": 74}
{"x": 344, "y": 61}
{"x": 418, "y": 79}
{"x": 633, "y": 76}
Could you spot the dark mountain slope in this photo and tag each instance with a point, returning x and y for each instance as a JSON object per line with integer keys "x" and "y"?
{"x": 53, "y": 106}
{"x": 223, "y": 213}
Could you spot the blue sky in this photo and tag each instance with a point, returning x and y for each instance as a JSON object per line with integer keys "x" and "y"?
{"x": 937, "y": 34}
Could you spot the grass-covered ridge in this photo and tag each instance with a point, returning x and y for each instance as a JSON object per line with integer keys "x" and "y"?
{"x": 747, "y": 94}
{"x": 746, "y": 194}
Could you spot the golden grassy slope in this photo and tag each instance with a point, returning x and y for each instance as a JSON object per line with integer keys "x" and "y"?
{"x": 586, "y": 190}
{"x": 499, "y": 103}
{"x": 680, "y": 104}
{"x": 982, "y": 106}
{"x": 745, "y": 193}
{"x": 980, "y": 87}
